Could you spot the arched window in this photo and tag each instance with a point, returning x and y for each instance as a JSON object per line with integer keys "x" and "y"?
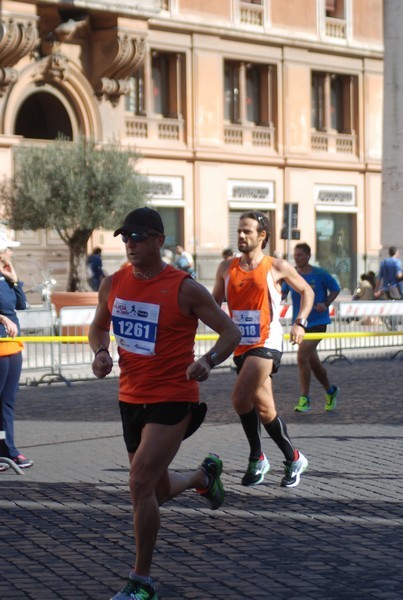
{"x": 43, "y": 116}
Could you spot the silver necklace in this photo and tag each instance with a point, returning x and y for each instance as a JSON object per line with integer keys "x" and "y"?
{"x": 148, "y": 274}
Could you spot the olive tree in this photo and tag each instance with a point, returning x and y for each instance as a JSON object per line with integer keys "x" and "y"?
{"x": 73, "y": 188}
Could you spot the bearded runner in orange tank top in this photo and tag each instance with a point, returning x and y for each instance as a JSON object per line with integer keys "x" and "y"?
{"x": 254, "y": 303}
{"x": 250, "y": 285}
{"x": 154, "y": 310}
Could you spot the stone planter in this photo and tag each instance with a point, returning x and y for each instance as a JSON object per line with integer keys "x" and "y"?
{"x": 73, "y": 299}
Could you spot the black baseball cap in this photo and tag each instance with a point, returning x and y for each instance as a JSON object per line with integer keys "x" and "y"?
{"x": 140, "y": 221}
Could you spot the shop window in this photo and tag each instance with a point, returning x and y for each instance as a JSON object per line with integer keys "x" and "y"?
{"x": 173, "y": 225}
{"x": 336, "y": 248}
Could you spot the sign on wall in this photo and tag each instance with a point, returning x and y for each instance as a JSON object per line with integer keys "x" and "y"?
{"x": 166, "y": 188}
{"x": 241, "y": 192}
{"x": 335, "y": 195}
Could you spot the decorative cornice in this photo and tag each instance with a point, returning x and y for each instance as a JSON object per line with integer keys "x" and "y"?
{"x": 8, "y": 75}
{"x": 53, "y": 66}
{"x": 115, "y": 56}
{"x": 19, "y": 37}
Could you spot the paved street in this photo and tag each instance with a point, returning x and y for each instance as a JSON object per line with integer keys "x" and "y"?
{"x": 66, "y": 527}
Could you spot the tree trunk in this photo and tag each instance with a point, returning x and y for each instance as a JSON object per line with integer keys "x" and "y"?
{"x": 77, "y": 277}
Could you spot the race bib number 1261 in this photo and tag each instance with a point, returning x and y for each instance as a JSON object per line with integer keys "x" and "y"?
{"x": 135, "y": 325}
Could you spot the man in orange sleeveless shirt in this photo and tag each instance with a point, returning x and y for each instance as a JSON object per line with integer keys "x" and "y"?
{"x": 154, "y": 309}
{"x": 250, "y": 285}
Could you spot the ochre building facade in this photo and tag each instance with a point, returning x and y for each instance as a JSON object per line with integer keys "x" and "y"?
{"x": 233, "y": 106}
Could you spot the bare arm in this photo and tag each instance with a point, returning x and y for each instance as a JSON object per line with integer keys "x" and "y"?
{"x": 10, "y": 327}
{"x": 323, "y": 306}
{"x": 219, "y": 284}
{"x": 283, "y": 270}
{"x": 99, "y": 336}
{"x": 195, "y": 299}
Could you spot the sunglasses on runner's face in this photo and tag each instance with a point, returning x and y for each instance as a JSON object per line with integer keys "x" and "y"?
{"x": 137, "y": 237}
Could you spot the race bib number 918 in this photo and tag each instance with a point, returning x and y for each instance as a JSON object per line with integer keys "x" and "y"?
{"x": 135, "y": 325}
{"x": 248, "y": 322}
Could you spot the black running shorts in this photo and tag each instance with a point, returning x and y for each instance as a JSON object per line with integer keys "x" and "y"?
{"x": 136, "y": 416}
{"x": 274, "y": 355}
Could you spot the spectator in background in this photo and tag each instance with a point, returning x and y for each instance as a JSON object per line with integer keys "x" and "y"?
{"x": 12, "y": 298}
{"x": 184, "y": 261}
{"x": 364, "y": 290}
{"x": 227, "y": 253}
{"x": 326, "y": 290}
{"x": 95, "y": 270}
{"x": 389, "y": 282}
{"x": 372, "y": 279}
{"x": 167, "y": 256}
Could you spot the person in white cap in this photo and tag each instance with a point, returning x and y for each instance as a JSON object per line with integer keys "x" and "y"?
{"x": 12, "y": 298}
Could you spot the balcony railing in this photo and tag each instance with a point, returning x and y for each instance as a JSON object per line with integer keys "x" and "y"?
{"x": 343, "y": 143}
{"x": 157, "y": 128}
{"x": 336, "y": 28}
{"x": 249, "y": 135}
{"x": 251, "y": 14}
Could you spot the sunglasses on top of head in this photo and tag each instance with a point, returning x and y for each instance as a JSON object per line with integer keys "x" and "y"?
{"x": 137, "y": 237}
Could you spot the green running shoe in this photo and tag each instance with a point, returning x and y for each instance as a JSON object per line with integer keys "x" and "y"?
{"x": 293, "y": 471}
{"x": 214, "y": 492}
{"x": 304, "y": 404}
{"x": 256, "y": 471}
{"x": 135, "y": 590}
{"x": 331, "y": 399}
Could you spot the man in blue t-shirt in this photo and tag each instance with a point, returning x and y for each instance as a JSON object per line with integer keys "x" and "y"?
{"x": 326, "y": 290}
{"x": 390, "y": 277}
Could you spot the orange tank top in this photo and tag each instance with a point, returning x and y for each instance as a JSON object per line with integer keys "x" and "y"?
{"x": 9, "y": 348}
{"x": 155, "y": 340}
{"x": 254, "y": 305}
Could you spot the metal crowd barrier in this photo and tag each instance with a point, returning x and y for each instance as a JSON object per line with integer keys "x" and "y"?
{"x": 56, "y": 347}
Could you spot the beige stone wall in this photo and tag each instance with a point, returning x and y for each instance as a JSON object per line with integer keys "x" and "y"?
{"x": 373, "y": 103}
{"x": 294, "y": 14}
{"x": 367, "y": 20}
{"x": 206, "y": 9}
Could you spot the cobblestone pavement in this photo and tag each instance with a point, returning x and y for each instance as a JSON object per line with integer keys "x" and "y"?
{"x": 66, "y": 528}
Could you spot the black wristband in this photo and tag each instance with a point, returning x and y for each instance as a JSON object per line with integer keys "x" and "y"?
{"x": 301, "y": 322}
{"x": 99, "y": 350}
{"x": 212, "y": 359}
